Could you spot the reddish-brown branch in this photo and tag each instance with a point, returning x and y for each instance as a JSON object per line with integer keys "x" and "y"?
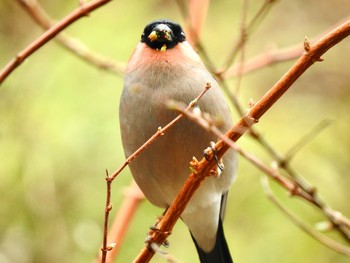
{"x": 265, "y": 59}
{"x": 292, "y": 185}
{"x": 245, "y": 30}
{"x": 116, "y": 234}
{"x": 81, "y": 11}
{"x": 310, "y": 56}
{"x": 39, "y": 15}
{"x": 203, "y": 168}
{"x": 105, "y": 247}
{"x": 196, "y": 14}
{"x": 270, "y": 57}
{"x": 288, "y": 184}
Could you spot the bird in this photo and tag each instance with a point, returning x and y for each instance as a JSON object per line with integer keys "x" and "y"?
{"x": 165, "y": 67}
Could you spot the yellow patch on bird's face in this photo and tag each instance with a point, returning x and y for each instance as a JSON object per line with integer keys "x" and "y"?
{"x": 167, "y": 36}
{"x": 163, "y": 48}
{"x": 153, "y": 36}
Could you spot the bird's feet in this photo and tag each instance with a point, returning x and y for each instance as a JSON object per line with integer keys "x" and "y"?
{"x": 209, "y": 153}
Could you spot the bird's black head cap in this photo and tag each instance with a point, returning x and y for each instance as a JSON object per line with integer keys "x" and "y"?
{"x": 162, "y": 34}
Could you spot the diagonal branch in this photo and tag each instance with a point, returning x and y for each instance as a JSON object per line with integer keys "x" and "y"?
{"x": 209, "y": 125}
{"x": 266, "y": 6}
{"x": 81, "y": 11}
{"x": 33, "y": 8}
{"x": 271, "y": 57}
{"x": 306, "y": 139}
{"x": 203, "y": 168}
{"x": 292, "y": 185}
{"x": 336, "y": 246}
{"x": 160, "y": 132}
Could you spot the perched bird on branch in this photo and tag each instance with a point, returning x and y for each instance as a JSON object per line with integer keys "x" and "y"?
{"x": 165, "y": 67}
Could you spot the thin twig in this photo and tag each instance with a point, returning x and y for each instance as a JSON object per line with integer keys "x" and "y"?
{"x": 157, "y": 134}
{"x": 195, "y": 12}
{"x": 243, "y": 37}
{"x": 81, "y": 11}
{"x": 266, "y": 6}
{"x": 272, "y": 56}
{"x": 195, "y": 38}
{"x": 132, "y": 198}
{"x": 269, "y": 57}
{"x": 105, "y": 247}
{"x": 336, "y": 246}
{"x": 306, "y": 139}
{"x": 33, "y": 8}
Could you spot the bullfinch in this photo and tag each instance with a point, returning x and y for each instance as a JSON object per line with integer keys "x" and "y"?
{"x": 164, "y": 67}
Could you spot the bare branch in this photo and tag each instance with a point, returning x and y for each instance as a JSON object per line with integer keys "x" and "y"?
{"x": 81, "y": 11}
{"x": 207, "y": 123}
{"x": 132, "y": 199}
{"x": 194, "y": 12}
{"x": 292, "y": 185}
{"x": 266, "y": 6}
{"x": 306, "y": 139}
{"x": 271, "y": 56}
{"x": 39, "y": 15}
{"x": 107, "y": 247}
{"x": 241, "y": 48}
{"x": 267, "y": 58}
{"x": 315, "y": 234}
{"x": 194, "y": 30}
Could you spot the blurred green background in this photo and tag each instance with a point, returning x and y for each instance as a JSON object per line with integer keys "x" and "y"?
{"x": 59, "y": 132}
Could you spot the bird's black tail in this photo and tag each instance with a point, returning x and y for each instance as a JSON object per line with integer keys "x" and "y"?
{"x": 220, "y": 252}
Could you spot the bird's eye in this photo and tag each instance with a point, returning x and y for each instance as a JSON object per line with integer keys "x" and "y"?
{"x": 143, "y": 36}
{"x": 183, "y": 36}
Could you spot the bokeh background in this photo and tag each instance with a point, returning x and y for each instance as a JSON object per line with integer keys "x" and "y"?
{"x": 59, "y": 132}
